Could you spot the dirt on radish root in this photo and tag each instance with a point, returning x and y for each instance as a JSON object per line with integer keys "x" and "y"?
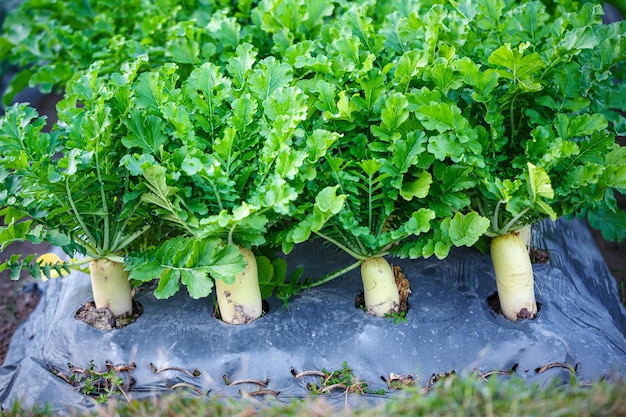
{"x": 103, "y": 318}
{"x": 404, "y": 289}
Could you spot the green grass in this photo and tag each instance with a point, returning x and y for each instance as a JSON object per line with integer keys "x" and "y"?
{"x": 451, "y": 397}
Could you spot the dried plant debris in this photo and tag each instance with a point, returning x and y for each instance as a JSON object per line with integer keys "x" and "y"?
{"x": 262, "y": 391}
{"x": 538, "y": 256}
{"x": 483, "y": 375}
{"x": 342, "y": 380}
{"x": 396, "y": 382}
{"x": 97, "y": 383}
{"x": 190, "y": 386}
{"x": 259, "y": 393}
{"x": 193, "y": 374}
{"x": 260, "y": 383}
{"x": 404, "y": 288}
{"x": 570, "y": 368}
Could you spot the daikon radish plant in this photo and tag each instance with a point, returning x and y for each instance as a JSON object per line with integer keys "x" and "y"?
{"x": 64, "y": 188}
{"x": 515, "y": 107}
{"x": 68, "y": 188}
{"x": 550, "y": 98}
{"x": 519, "y": 204}
{"x": 460, "y": 120}
{"x": 400, "y": 197}
{"x": 221, "y": 155}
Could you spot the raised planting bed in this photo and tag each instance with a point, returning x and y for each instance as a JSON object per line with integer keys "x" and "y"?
{"x": 176, "y": 344}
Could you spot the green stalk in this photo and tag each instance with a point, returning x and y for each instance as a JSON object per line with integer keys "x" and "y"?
{"x": 105, "y": 207}
{"x": 496, "y": 215}
{"x": 130, "y": 239}
{"x": 119, "y": 233}
{"x": 78, "y": 217}
{"x": 329, "y": 277}
{"x": 369, "y": 204}
{"x": 340, "y": 246}
{"x": 512, "y": 222}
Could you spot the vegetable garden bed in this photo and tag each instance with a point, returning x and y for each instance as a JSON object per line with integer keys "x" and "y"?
{"x": 176, "y": 344}
{"x": 196, "y": 142}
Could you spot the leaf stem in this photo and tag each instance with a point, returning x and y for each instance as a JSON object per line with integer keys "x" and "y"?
{"x": 329, "y": 277}
{"x": 130, "y": 239}
{"x": 105, "y": 207}
{"x": 120, "y": 229}
{"x": 369, "y": 204}
{"x": 510, "y": 224}
{"x": 495, "y": 218}
{"x": 342, "y": 247}
{"x": 78, "y": 217}
{"x": 217, "y": 194}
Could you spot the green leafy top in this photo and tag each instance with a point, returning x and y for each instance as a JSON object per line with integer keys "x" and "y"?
{"x": 402, "y": 155}
{"x": 522, "y": 99}
{"x": 48, "y": 41}
{"x": 222, "y": 153}
{"x": 65, "y": 187}
{"x": 548, "y": 94}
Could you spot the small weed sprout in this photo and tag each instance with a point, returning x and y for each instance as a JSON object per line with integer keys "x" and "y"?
{"x": 341, "y": 379}
{"x": 97, "y": 384}
{"x": 397, "y": 317}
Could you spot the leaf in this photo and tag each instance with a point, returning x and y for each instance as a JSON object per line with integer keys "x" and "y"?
{"x": 198, "y": 283}
{"x": 419, "y": 221}
{"x": 519, "y": 66}
{"x": 395, "y": 112}
{"x": 409, "y": 152}
{"x": 145, "y": 132}
{"x": 157, "y": 183}
{"x": 446, "y": 146}
{"x": 465, "y": 230}
{"x": 345, "y": 108}
{"x": 319, "y": 142}
{"x": 578, "y": 39}
{"x": 611, "y": 224}
{"x": 271, "y": 75}
{"x": 265, "y": 271}
{"x": 327, "y": 204}
{"x": 417, "y": 188}
{"x": 168, "y": 284}
{"x": 579, "y": 126}
{"x": 373, "y": 87}
{"x": 224, "y": 262}
{"x": 142, "y": 269}
{"x": 538, "y": 183}
{"x": 191, "y": 165}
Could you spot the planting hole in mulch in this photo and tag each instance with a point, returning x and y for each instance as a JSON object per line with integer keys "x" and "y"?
{"x": 103, "y": 318}
{"x": 404, "y": 289}
{"x": 494, "y": 302}
{"x": 539, "y": 256}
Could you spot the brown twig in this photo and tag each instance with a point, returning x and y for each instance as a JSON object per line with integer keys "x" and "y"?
{"x": 567, "y": 366}
{"x": 245, "y": 381}
{"x": 193, "y": 374}
{"x": 259, "y": 393}
{"x": 329, "y": 388}
{"x": 190, "y": 386}
{"x": 307, "y": 373}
